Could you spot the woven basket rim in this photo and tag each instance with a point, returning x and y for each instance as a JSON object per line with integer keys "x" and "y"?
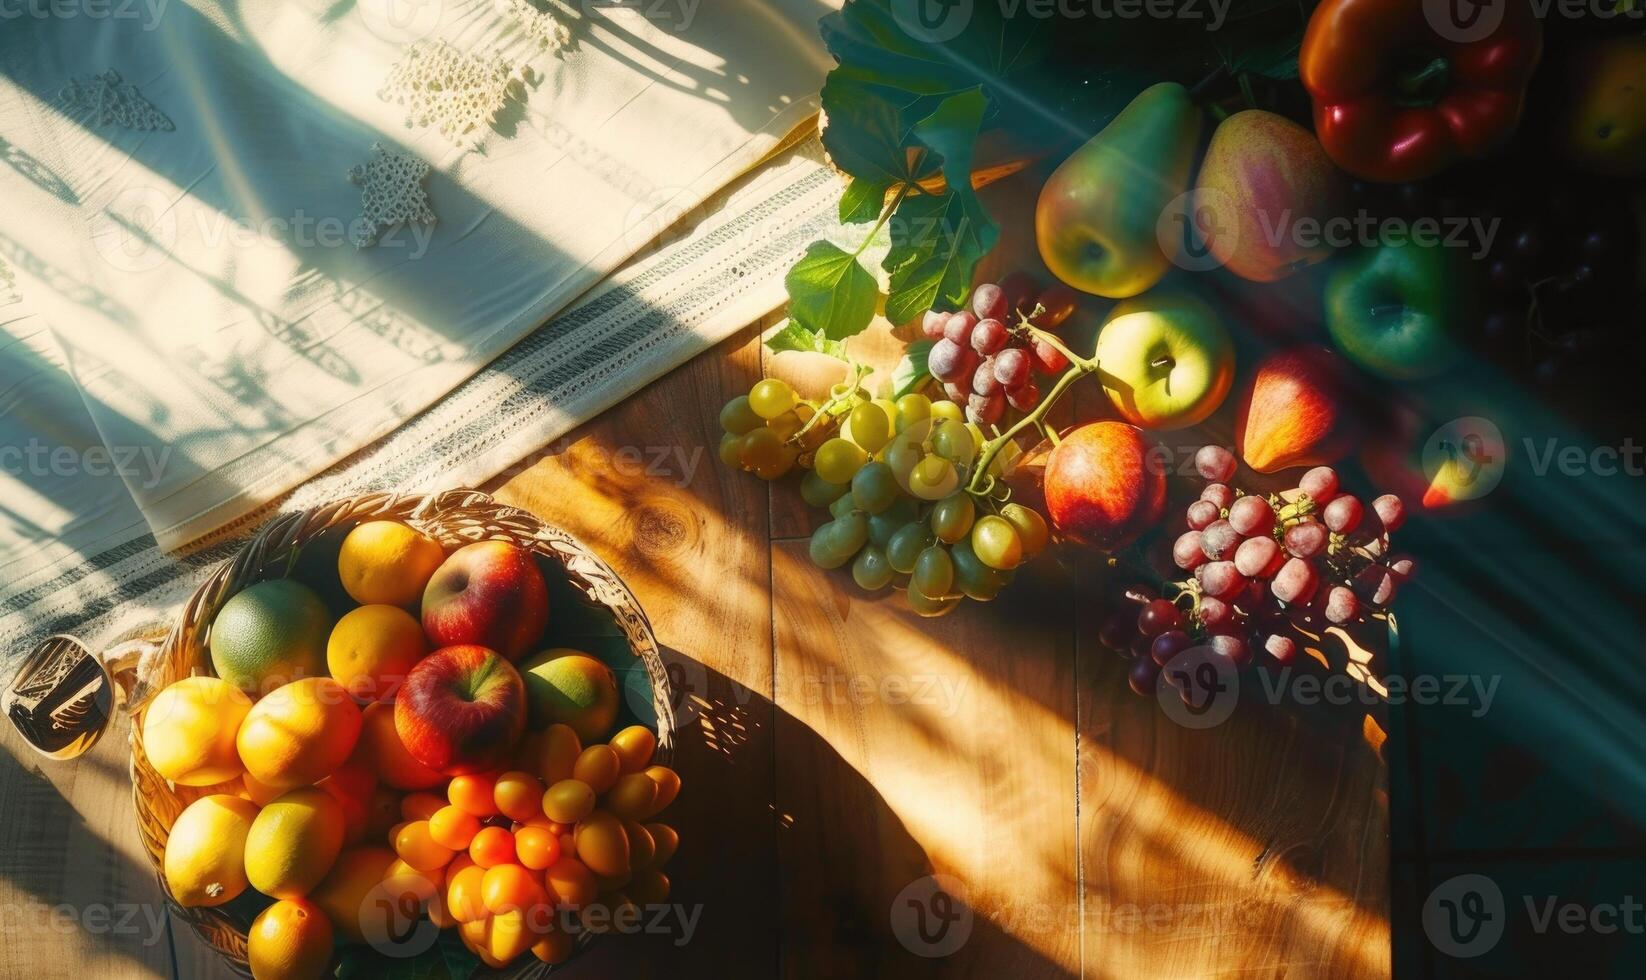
{"x": 454, "y": 517}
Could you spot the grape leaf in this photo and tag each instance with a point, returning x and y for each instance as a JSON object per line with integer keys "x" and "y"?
{"x": 862, "y": 201}
{"x": 911, "y": 372}
{"x": 830, "y": 292}
{"x": 793, "y": 336}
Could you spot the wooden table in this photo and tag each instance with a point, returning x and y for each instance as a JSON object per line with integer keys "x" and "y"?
{"x": 845, "y": 761}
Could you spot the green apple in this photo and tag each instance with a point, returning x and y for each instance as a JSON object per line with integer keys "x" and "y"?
{"x": 1165, "y": 359}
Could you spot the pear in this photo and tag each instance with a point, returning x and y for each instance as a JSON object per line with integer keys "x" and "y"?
{"x": 1098, "y": 216}
{"x": 1264, "y": 190}
{"x": 1297, "y": 411}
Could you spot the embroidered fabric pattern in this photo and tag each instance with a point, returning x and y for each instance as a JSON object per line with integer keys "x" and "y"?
{"x": 539, "y": 25}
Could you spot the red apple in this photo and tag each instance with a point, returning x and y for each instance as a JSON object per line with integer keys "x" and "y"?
{"x": 461, "y": 710}
{"x": 1102, "y": 485}
{"x": 1296, "y": 411}
{"x": 488, "y": 593}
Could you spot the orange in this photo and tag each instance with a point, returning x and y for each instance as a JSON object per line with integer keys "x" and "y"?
{"x": 557, "y": 752}
{"x": 382, "y": 751}
{"x": 189, "y": 731}
{"x": 387, "y": 562}
{"x": 345, "y": 890}
{"x": 373, "y": 648}
{"x": 204, "y": 863}
{"x": 289, "y": 940}
{"x": 293, "y": 843}
{"x": 382, "y": 812}
{"x": 664, "y": 840}
{"x": 299, "y": 734}
{"x": 352, "y": 786}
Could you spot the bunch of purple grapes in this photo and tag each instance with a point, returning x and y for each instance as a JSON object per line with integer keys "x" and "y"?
{"x": 1263, "y": 567}
{"x": 985, "y": 358}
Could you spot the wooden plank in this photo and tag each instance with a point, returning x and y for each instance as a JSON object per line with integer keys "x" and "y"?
{"x": 77, "y": 894}
{"x": 1257, "y": 846}
{"x": 641, "y": 486}
{"x": 909, "y": 748}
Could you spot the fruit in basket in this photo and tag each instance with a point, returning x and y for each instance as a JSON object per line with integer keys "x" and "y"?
{"x": 293, "y": 843}
{"x": 462, "y": 709}
{"x": 204, "y": 863}
{"x": 634, "y": 746}
{"x": 387, "y": 562}
{"x": 299, "y": 734}
{"x": 352, "y": 786}
{"x": 1098, "y": 213}
{"x": 489, "y": 593}
{"x": 289, "y": 940}
{"x": 344, "y": 892}
{"x": 1262, "y": 175}
{"x": 602, "y": 844}
{"x": 1102, "y": 488}
{"x": 1294, "y": 411}
{"x": 569, "y": 687}
{"x": 381, "y": 750}
{"x": 189, "y": 729}
{"x": 1167, "y": 360}
{"x": 1395, "y": 309}
{"x": 269, "y": 634}
{"x": 373, "y": 648}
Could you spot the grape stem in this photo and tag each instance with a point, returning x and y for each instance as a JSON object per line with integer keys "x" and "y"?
{"x": 981, "y": 482}
{"x": 844, "y": 393}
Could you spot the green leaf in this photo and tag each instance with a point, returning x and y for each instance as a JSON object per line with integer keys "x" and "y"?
{"x": 863, "y": 201}
{"x": 830, "y": 292}
{"x": 936, "y": 242}
{"x": 911, "y": 372}
{"x": 793, "y": 336}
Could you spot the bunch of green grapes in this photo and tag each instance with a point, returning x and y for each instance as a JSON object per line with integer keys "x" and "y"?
{"x": 894, "y": 477}
{"x": 895, "y": 484}
{"x": 766, "y": 431}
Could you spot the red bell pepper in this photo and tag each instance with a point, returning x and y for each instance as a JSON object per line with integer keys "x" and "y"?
{"x": 1401, "y": 88}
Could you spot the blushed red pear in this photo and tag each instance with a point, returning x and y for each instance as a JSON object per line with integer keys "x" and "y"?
{"x": 1102, "y": 487}
{"x": 1295, "y": 411}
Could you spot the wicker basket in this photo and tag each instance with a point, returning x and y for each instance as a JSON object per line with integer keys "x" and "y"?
{"x": 454, "y": 518}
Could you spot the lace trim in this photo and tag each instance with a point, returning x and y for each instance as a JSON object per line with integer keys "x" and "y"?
{"x": 111, "y": 100}
{"x": 391, "y": 192}
{"x": 457, "y": 93}
{"x": 539, "y": 25}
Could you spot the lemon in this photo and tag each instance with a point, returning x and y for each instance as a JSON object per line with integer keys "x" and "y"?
{"x": 289, "y": 940}
{"x": 344, "y": 892}
{"x": 204, "y": 862}
{"x": 299, "y": 734}
{"x": 189, "y": 731}
{"x": 387, "y": 562}
{"x": 270, "y": 634}
{"x": 570, "y": 687}
{"x": 293, "y": 843}
{"x": 373, "y": 648}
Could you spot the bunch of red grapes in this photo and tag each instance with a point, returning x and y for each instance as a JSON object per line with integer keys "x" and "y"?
{"x": 1263, "y": 567}
{"x": 984, "y": 356}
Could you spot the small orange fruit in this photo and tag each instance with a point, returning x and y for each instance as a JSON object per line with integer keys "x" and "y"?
{"x": 475, "y": 793}
{"x": 536, "y": 847}
{"x": 453, "y": 827}
{"x": 508, "y": 887}
{"x": 491, "y": 847}
{"x": 518, "y": 795}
